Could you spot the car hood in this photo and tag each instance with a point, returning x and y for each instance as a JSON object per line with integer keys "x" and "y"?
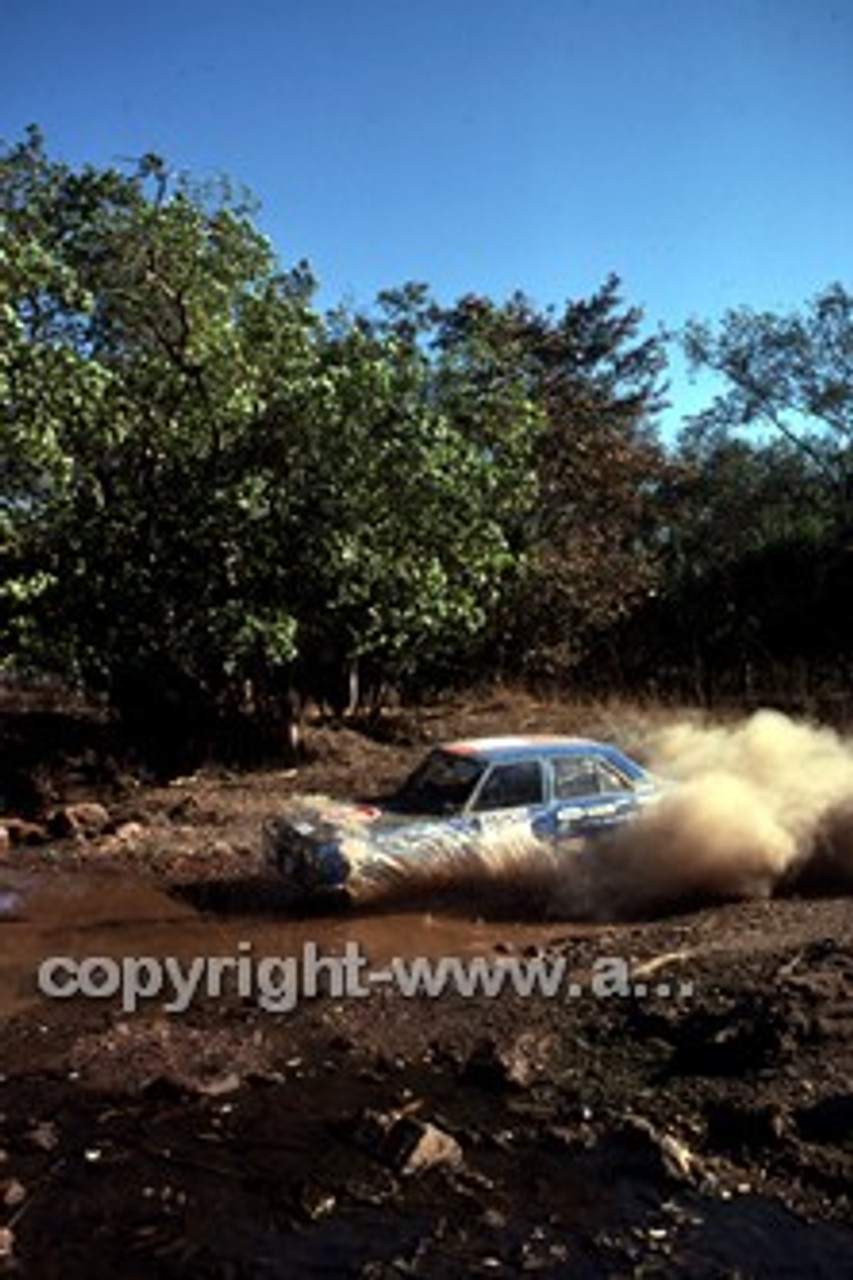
{"x": 320, "y": 819}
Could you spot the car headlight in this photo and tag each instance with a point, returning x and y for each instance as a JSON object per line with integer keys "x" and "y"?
{"x": 330, "y": 866}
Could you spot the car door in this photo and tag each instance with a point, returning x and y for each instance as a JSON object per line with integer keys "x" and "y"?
{"x": 510, "y": 797}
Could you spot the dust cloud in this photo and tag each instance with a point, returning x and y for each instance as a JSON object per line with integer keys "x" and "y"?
{"x": 748, "y": 810}
{"x": 755, "y": 807}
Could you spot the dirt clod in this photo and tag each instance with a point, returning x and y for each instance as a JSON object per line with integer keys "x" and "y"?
{"x": 88, "y": 818}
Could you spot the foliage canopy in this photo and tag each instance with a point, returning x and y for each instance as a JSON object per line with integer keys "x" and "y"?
{"x": 208, "y": 486}
{"x": 206, "y": 481}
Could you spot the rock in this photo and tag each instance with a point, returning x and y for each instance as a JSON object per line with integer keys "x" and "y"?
{"x": 216, "y": 1086}
{"x": 12, "y": 1192}
{"x": 124, "y": 838}
{"x": 129, "y": 832}
{"x": 406, "y": 1145}
{"x": 415, "y": 1146}
{"x": 315, "y": 1202}
{"x": 185, "y": 810}
{"x": 109, "y": 847}
{"x": 7, "y": 1244}
{"x": 218, "y": 849}
{"x": 45, "y": 1136}
{"x": 662, "y": 1155}
{"x": 515, "y": 1065}
{"x": 85, "y": 819}
{"x": 21, "y": 832}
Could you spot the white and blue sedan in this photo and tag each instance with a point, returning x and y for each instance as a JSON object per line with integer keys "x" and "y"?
{"x": 559, "y": 791}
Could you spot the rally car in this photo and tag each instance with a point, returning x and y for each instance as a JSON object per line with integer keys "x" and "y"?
{"x": 558, "y": 790}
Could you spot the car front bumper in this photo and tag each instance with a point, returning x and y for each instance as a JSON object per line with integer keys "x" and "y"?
{"x": 302, "y": 859}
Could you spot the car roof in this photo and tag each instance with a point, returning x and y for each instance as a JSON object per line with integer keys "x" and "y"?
{"x": 518, "y": 747}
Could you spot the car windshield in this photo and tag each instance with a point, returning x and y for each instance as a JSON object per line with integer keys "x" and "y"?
{"x": 442, "y": 784}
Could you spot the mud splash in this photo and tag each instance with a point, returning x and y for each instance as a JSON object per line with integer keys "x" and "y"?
{"x": 499, "y": 874}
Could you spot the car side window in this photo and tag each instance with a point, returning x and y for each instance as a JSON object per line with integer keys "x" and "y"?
{"x": 510, "y": 786}
{"x": 575, "y": 776}
{"x": 578, "y": 776}
{"x": 611, "y": 779}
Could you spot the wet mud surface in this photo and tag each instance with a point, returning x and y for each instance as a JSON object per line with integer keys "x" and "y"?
{"x": 697, "y": 1123}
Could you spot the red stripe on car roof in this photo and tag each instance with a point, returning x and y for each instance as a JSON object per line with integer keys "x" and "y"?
{"x": 469, "y": 746}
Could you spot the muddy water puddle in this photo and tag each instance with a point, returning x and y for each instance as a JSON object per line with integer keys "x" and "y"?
{"x": 85, "y": 914}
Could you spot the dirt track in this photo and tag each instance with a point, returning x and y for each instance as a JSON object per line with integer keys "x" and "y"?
{"x": 704, "y": 1132}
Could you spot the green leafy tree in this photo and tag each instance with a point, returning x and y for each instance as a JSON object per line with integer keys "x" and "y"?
{"x": 763, "y": 528}
{"x": 135, "y": 388}
{"x": 792, "y": 373}
{"x": 732, "y": 497}
{"x": 207, "y": 487}
{"x": 410, "y": 517}
{"x": 207, "y": 483}
{"x": 587, "y": 537}
{"x": 743, "y": 524}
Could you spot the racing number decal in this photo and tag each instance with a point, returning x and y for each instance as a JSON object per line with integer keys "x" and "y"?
{"x": 498, "y": 818}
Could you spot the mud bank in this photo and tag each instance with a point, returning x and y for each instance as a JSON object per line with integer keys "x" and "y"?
{"x": 705, "y": 1135}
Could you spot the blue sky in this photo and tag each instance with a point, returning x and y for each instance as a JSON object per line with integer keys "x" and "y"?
{"x": 701, "y": 150}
